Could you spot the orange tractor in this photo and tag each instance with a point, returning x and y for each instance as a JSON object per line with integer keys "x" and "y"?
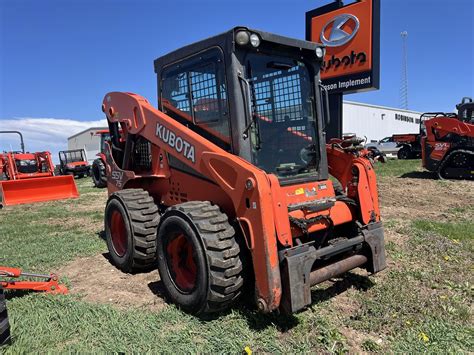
{"x": 226, "y": 186}
{"x": 29, "y": 177}
{"x": 98, "y": 172}
{"x": 447, "y": 142}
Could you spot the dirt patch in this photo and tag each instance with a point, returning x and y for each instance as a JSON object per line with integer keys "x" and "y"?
{"x": 98, "y": 281}
{"x": 404, "y": 198}
{"x": 356, "y": 339}
{"x": 81, "y": 223}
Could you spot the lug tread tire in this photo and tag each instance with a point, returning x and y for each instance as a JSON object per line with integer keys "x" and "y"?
{"x": 144, "y": 220}
{"x": 99, "y": 166}
{"x": 4, "y": 323}
{"x": 222, "y": 252}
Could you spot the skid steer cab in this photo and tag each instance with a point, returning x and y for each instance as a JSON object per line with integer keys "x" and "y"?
{"x": 226, "y": 185}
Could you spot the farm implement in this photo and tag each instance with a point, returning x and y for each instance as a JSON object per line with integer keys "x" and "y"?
{"x": 74, "y": 163}
{"x": 227, "y": 183}
{"x": 47, "y": 283}
{"x": 447, "y": 142}
{"x": 29, "y": 177}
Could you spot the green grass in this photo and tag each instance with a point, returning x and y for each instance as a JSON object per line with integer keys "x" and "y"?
{"x": 456, "y": 231}
{"x": 421, "y": 303}
{"x": 41, "y": 236}
{"x": 395, "y": 167}
{"x": 64, "y": 323}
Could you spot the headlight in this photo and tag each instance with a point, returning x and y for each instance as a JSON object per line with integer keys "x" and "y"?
{"x": 27, "y": 162}
{"x": 320, "y": 52}
{"x": 242, "y": 38}
{"x": 254, "y": 40}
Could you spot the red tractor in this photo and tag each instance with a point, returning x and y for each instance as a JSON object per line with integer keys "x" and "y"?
{"x": 228, "y": 184}
{"x": 447, "y": 142}
{"x": 29, "y": 177}
{"x": 98, "y": 171}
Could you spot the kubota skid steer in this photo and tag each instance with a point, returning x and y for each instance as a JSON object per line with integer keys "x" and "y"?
{"x": 228, "y": 183}
{"x": 29, "y": 177}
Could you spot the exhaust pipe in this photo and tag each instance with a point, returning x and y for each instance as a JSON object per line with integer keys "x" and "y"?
{"x": 325, "y": 273}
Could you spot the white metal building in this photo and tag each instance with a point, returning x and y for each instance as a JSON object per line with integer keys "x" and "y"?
{"x": 378, "y": 122}
{"x": 371, "y": 121}
{"x": 86, "y": 140}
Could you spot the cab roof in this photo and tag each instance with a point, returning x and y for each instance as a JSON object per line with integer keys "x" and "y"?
{"x": 226, "y": 41}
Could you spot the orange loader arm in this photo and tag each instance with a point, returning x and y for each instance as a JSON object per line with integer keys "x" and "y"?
{"x": 245, "y": 184}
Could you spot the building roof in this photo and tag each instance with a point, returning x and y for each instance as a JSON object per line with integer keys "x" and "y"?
{"x": 87, "y": 130}
{"x": 382, "y": 107}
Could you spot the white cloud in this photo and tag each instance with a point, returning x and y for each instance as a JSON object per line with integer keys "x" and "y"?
{"x": 42, "y": 134}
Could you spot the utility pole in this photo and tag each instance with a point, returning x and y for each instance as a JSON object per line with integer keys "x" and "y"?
{"x": 404, "y": 77}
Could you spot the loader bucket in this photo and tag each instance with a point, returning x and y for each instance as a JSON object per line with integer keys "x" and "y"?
{"x": 15, "y": 192}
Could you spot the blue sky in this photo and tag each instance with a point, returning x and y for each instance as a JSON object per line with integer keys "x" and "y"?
{"x": 59, "y": 58}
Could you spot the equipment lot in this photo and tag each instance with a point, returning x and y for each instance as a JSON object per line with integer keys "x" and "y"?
{"x": 421, "y": 302}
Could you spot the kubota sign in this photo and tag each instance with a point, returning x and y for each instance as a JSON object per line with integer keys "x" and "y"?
{"x": 351, "y": 36}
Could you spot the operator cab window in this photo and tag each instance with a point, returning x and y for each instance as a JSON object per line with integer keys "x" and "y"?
{"x": 284, "y": 134}
{"x": 193, "y": 91}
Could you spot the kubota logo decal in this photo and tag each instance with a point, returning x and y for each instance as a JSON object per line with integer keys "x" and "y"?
{"x": 176, "y": 142}
{"x": 338, "y": 36}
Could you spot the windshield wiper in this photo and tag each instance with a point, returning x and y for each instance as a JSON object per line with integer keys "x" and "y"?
{"x": 290, "y": 169}
{"x": 253, "y": 117}
{"x": 253, "y": 121}
{"x": 279, "y": 65}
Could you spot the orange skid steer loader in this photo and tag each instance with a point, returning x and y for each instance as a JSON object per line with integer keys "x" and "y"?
{"x": 227, "y": 185}
{"x": 29, "y": 177}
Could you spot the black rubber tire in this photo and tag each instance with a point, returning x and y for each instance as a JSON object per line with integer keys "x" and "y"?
{"x": 99, "y": 175}
{"x": 404, "y": 153}
{"x": 5, "y": 337}
{"x": 141, "y": 218}
{"x": 216, "y": 252}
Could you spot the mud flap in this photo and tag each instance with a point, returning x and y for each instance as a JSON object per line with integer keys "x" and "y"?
{"x": 15, "y": 192}
{"x": 297, "y": 262}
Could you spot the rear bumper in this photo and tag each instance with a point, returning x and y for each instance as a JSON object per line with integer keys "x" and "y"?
{"x": 79, "y": 169}
{"x": 366, "y": 250}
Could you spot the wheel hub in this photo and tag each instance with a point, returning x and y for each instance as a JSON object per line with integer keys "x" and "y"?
{"x": 118, "y": 233}
{"x": 182, "y": 263}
